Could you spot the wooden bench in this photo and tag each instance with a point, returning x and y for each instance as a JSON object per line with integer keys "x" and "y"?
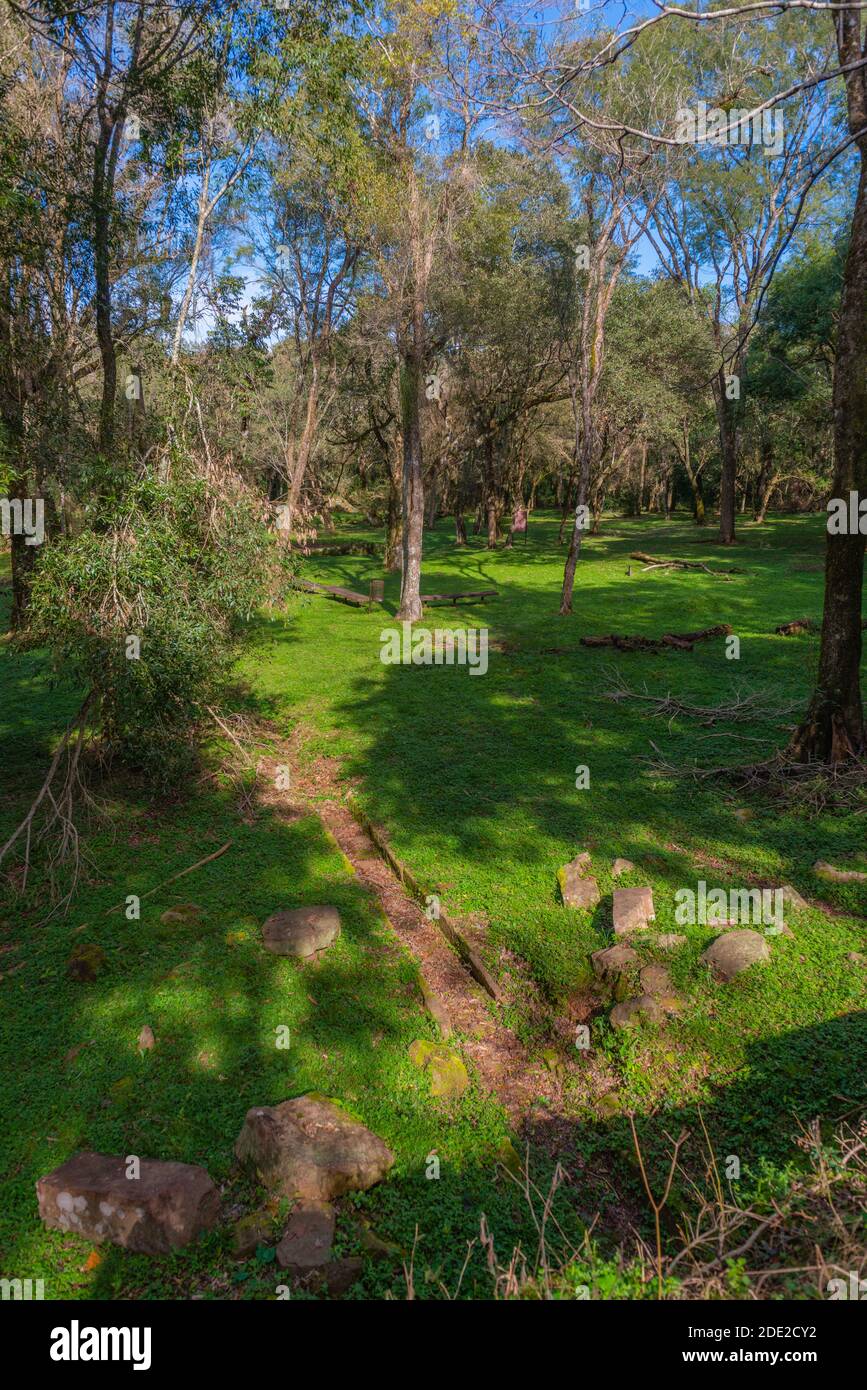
{"x": 335, "y": 591}
{"x": 453, "y": 598}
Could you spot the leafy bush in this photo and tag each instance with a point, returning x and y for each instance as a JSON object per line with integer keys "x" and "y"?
{"x": 144, "y": 608}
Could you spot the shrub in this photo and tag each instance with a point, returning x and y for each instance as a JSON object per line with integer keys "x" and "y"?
{"x": 144, "y": 608}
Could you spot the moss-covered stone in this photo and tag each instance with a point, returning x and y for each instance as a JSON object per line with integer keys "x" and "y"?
{"x": 552, "y": 1060}
{"x": 509, "y": 1158}
{"x": 86, "y": 962}
{"x": 448, "y": 1075}
{"x": 250, "y": 1232}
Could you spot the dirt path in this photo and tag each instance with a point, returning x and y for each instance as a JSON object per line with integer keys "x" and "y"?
{"x": 502, "y": 1063}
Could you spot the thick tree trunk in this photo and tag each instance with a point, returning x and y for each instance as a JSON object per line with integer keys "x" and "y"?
{"x": 460, "y": 528}
{"x": 305, "y": 446}
{"x": 490, "y": 499}
{"x": 834, "y": 726}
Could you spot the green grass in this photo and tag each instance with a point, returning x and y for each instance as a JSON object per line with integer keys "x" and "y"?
{"x": 474, "y": 778}
{"x": 74, "y": 1078}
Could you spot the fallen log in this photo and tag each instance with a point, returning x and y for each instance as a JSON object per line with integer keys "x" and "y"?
{"x": 656, "y": 562}
{"x": 680, "y": 641}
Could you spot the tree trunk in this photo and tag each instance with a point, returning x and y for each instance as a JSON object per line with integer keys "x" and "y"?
{"x": 834, "y": 725}
{"x": 638, "y": 502}
{"x": 729, "y": 461}
{"x": 584, "y": 436}
{"x": 765, "y": 493}
{"x": 190, "y": 286}
{"x": 102, "y": 201}
{"x": 393, "y": 527}
{"x": 412, "y": 496}
{"x": 490, "y": 498}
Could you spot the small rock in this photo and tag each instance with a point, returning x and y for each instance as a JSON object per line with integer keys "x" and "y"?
{"x": 301, "y": 931}
{"x": 857, "y": 958}
{"x": 181, "y": 915}
{"x": 339, "y": 1275}
{"x": 832, "y": 875}
{"x": 552, "y": 1060}
{"x": 146, "y": 1040}
{"x": 611, "y": 961}
{"x": 249, "y": 1233}
{"x": 633, "y": 909}
{"x": 736, "y": 951}
{"x": 793, "y": 898}
{"x": 621, "y": 866}
{"x": 669, "y": 941}
{"x": 448, "y": 1075}
{"x": 310, "y": 1148}
{"x": 577, "y": 890}
{"x": 309, "y": 1236}
{"x": 85, "y": 963}
{"x": 374, "y": 1246}
{"x": 165, "y": 1208}
{"x": 631, "y": 1011}
{"x": 655, "y": 980}
{"x": 583, "y": 895}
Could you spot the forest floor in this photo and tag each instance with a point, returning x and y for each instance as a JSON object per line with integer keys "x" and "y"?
{"x": 472, "y": 778}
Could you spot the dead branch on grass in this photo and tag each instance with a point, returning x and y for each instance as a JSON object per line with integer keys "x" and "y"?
{"x": 811, "y": 786}
{"x": 182, "y": 874}
{"x": 656, "y": 562}
{"x": 740, "y": 709}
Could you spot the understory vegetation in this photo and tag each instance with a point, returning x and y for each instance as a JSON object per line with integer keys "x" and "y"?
{"x": 433, "y": 509}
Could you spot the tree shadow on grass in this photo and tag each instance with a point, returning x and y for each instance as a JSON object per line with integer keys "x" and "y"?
{"x": 215, "y": 1001}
